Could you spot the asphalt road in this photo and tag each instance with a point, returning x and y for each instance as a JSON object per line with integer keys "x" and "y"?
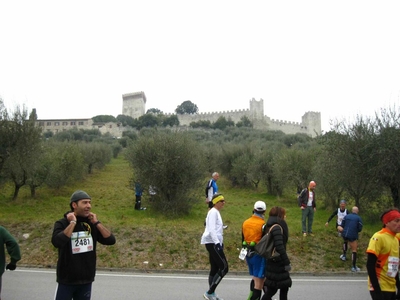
{"x": 40, "y": 284}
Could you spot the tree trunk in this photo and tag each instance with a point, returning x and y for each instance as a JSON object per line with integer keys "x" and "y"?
{"x": 33, "y": 191}
{"x": 395, "y": 195}
{"x": 16, "y": 191}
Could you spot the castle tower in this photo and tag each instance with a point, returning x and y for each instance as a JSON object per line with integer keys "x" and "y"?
{"x": 257, "y": 109}
{"x": 134, "y": 104}
{"x": 312, "y": 120}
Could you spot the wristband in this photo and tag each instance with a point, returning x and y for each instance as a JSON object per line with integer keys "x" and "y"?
{"x": 97, "y": 223}
{"x": 73, "y": 222}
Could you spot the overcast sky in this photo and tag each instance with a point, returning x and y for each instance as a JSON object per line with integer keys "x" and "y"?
{"x": 75, "y": 59}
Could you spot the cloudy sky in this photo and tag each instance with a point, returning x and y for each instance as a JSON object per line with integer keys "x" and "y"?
{"x": 75, "y": 59}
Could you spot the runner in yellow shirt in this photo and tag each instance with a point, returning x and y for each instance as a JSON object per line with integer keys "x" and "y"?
{"x": 383, "y": 257}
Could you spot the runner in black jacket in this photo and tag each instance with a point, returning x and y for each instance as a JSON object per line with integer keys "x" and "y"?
{"x": 76, "y": 236}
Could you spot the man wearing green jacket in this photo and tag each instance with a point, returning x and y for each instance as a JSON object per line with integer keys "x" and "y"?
{"x": 12, "y": 249}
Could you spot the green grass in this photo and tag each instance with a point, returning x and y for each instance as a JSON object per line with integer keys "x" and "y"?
{"x": 147, "y": 240}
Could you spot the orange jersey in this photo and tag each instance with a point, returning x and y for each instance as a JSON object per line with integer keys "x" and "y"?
{"x": 252, "y": 229}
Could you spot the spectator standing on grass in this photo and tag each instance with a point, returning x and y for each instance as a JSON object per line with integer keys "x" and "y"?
{"x": 211, "y": 188}
{"x": 350, "y": 227}
{"x": 277, "y": 276}
{"x": 252, "y": 232}
{"x": 76, "y": 236}
{"x": 13, "y": 250}
{"x": 340, "y": 213}
{"x": 138, "y": 195}
{"x": 213, "y": 240}
{"x": 383, "y": 258}
{"x": 306, "y": 201}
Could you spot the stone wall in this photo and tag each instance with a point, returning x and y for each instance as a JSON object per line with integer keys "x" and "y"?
{"x": 311, "y": 121}
{"x": 134, "y": 105}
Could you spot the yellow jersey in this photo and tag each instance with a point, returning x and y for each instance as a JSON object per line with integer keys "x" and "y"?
{"x": 385, "y": 246}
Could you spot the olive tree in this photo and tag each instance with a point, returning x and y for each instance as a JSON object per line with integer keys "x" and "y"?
{"x": 386, "y": 148}
{"x": 23, "y": 149}
{"x": 170, "y": 162}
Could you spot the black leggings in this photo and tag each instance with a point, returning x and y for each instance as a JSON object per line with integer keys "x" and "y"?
{"x": 76, "y": 291}
{"x": 269, "y": 292}
{"x": 219, "y": 267}
{"x": 385, "y": 295}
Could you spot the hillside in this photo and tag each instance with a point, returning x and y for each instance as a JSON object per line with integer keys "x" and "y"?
{"x": 150, "y": 241}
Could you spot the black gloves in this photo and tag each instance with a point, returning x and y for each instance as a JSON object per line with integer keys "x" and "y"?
{"x": 218, "y": 247}
{"x": 11, "y": 267}
{"x": 288, "y": 268}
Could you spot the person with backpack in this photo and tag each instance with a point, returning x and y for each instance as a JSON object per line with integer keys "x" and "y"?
{"x": 307, "y": 204}
{"x": 252, "y": 232}
{"x": 340, "y": 213}
{"x": 211, "y": 189}
{"x": 277, "y": 269}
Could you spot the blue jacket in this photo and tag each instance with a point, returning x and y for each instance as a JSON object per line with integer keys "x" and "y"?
{"x": 211, "y": 186}
{"x": 352, "y": 225}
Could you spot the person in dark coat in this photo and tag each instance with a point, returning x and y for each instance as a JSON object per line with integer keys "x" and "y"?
{"x": 277, "y": 270}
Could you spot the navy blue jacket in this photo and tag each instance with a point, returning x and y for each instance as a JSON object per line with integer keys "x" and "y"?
{"x": 352, "y": 225}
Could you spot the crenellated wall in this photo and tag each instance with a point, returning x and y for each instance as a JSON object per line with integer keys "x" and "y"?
{"x": 134, "y": 105}
{"x": 311, "y": 121}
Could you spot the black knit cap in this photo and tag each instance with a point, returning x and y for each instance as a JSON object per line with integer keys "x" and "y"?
{"x": 78, "y": 195}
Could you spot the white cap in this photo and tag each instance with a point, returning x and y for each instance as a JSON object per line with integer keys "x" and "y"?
{"x": 260, "y": 206}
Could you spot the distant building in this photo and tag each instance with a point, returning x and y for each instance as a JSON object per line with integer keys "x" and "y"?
{"x": 134, "y": 105}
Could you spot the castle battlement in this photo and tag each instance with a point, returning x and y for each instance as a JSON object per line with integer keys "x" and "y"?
{"x": 133, "y": 105}
{"x": 284, "y": 122}
{"x": 310, "y": 123}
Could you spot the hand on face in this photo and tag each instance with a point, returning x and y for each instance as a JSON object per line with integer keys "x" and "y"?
{"x": 92, "y": 217}
{"x": 71, "y": 217}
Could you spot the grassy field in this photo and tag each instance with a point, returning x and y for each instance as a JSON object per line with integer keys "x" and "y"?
{"x": 150, "y": 241}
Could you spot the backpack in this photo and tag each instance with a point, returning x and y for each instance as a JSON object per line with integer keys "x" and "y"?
{"x": 208, "y": 186}
{"x": 301, "y": 194}
{"x": 265, "y": 247}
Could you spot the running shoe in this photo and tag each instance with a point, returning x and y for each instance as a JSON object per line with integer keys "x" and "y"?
{"x": 343, "y": 257}
{"x": 208, "y": 296}
{"x": 355, "y": 269}
{"x": 304, "y": 234}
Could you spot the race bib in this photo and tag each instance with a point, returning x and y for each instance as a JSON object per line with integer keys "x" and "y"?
{"x": 243, "y": 253}
{"x": 393, "y": 266}
{"x": 81, "y": 242}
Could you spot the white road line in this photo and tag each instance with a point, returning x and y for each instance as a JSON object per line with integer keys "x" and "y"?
{"x": 172, "y": 276}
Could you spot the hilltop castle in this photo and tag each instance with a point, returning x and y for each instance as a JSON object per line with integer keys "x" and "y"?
{"x": 134, "y": 105}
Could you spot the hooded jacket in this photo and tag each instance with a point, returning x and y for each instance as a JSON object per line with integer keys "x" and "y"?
{"x": 79, "y": 268}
